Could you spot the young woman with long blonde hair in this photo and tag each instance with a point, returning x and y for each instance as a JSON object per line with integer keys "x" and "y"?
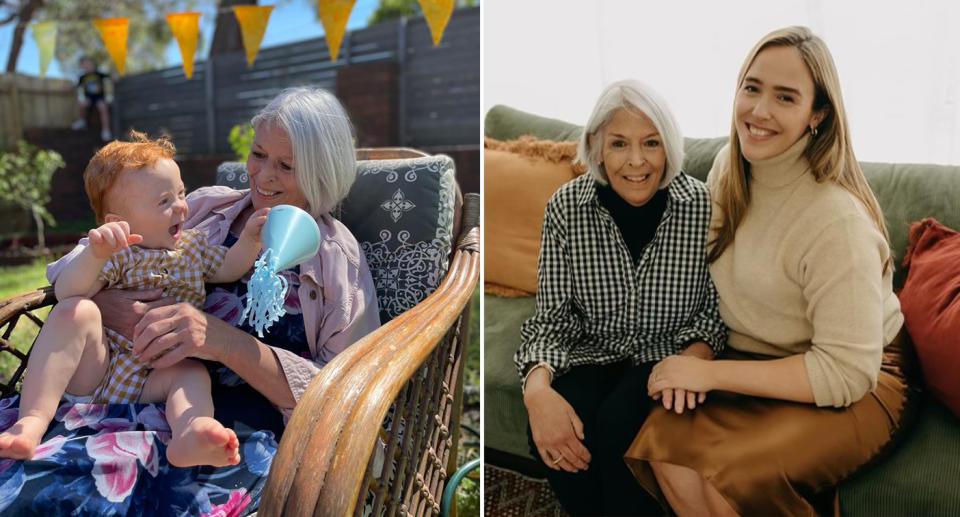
{"x": 811, "y": 386}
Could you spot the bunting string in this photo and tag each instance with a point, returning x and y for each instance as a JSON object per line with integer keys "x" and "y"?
{"x": 252, "y": 20}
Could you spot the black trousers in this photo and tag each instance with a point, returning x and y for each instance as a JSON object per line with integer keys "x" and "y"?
{"x": 612, "y": 402}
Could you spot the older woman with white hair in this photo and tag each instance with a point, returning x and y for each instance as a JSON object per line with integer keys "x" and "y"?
{"x": 622, "y": 284}
{"x": 302, "y": 155}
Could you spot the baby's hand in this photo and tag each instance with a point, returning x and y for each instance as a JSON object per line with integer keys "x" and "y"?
{"x": 111, "y": 237}
{"x": 255, "y": 223}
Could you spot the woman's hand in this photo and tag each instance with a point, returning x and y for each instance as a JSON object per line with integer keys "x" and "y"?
{"x": 557, "y": 430}
{"x": 678, "y": 399}
{"x": 122, "y": 309}
{"x": 680, "y": 381}
{"x": 167, "y": 334}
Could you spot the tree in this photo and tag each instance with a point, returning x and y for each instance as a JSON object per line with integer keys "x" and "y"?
{"x": 21, "y": 13}
{"x": 146, "y": 44}
{"x": 25, "y": 182}
{"x": 393, "y": 9}
{"x": 226, "y": 33}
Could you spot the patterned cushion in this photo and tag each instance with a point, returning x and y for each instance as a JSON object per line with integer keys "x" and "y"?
{"x": 401, "y": 212}
{"x": 233, "y": 174}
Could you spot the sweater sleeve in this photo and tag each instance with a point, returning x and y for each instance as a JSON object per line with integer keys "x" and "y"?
{"x": 842, "y": 277}
{"x": 550, "y": 333}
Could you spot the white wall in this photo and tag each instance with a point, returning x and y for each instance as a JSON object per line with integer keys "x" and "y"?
{"x": 899, "y": 66}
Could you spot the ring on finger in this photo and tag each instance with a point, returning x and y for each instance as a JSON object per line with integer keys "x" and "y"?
{"x": 558, "y": 459}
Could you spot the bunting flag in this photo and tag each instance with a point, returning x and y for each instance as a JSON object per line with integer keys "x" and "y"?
{"x": 45, "y": 36}
{"x": 113, "y": 31}
{"x": 437, "y": 13}
{"x": 253, "y": 23}
{"x": 185, "y": 26}
{"x": 333, "y": 16}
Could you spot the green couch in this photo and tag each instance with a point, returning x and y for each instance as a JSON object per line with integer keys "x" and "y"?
{"x": 920, "y": 477}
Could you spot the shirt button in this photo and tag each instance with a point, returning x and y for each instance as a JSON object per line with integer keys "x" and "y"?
{"x": 313, "y": 295}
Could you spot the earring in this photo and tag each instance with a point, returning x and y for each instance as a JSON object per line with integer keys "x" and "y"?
{"x": 813, "y": 131}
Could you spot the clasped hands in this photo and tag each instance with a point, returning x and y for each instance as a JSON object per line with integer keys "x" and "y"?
{"x": 680, "y": 382}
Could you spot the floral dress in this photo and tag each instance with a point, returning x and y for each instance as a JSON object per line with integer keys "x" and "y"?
{"x": 234, "y": 400}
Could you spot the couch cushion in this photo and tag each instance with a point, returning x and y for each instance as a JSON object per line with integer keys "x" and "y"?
{"x": 920, "y": 477}
{"x": 505, "y": 123}
{"x": 930, "y": 301}
{"x": 911, "y": 192}
{"x": 519, "y": 176}
{"x": 504, "y": 416}
{"x": 401, "y": 212}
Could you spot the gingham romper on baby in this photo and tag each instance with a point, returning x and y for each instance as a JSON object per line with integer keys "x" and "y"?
{"x": 181, "y": 274}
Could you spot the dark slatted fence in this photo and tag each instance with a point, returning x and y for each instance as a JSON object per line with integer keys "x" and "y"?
{"x": 437, "y": 88}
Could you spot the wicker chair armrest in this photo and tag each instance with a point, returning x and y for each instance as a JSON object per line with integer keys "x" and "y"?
{"x": 11, "y": 309}
{"x": 320, "y": 465}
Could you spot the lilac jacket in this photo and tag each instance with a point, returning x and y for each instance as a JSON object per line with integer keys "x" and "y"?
{"x": 337, "y": 296}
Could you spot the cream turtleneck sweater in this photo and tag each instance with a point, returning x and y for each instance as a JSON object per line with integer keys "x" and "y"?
{"x": 804, "y": 275}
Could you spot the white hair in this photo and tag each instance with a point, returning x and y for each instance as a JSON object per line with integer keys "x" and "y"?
{"x": 322, "y": 138}
{"x": 631, "y": 94}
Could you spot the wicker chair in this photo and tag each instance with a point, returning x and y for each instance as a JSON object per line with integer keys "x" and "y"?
{"x": 329, "y": 461}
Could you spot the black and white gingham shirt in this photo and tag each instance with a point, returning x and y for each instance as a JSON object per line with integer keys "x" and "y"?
{"x": 594, "y": 306}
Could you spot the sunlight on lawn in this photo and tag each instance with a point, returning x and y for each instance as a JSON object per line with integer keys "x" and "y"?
{"x": 14, "y": 280}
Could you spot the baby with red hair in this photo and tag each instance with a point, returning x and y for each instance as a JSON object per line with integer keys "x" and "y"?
{"x": 138, "y": 197}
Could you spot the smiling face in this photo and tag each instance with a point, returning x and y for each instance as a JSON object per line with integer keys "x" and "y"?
{"x": 272, "y": 170}
{"x": 774, "y": 106}
{"x": 152, "y": 200}
{"x": 632, "y": 155}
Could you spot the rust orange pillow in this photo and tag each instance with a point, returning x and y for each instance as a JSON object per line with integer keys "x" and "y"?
{"x": 519, "y": 176}
{"x": 930, "y": 300}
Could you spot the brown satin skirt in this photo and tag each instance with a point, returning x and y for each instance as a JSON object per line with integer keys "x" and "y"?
{"x": 771, "y": 457}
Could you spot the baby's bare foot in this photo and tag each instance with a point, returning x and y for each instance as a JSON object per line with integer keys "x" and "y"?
{"x": 20, "y": 441}
{"x": 204, "y": 442}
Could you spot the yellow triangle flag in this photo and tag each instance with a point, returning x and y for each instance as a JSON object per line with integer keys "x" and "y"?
{"x": 185, "y": 26}
{"x": 253, "y": 23}
{"x": 333, "y": 16}
{"x": 113, "y": 31}
{"x": 45, "y": 36}
{"x": 437, "y": 13}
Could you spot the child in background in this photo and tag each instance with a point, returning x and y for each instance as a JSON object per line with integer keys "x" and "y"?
{"x": 138, "y": 197}
{"x": 92, "y": 84}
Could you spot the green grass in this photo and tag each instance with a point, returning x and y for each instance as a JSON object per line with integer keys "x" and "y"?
{"x": 14, "y": 280}
{"x": 473, "y": 348}
{"x": 468, "y": 493}
{"x": 17, "y": 279}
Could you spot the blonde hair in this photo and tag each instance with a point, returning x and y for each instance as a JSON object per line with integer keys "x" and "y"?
{"x": 829, "y": 153}
{"x": 112, "y": 159}
{"x": 632, "y": 95}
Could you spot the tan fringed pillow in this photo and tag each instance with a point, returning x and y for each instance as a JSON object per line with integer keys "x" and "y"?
{"x": 519, "y": 176}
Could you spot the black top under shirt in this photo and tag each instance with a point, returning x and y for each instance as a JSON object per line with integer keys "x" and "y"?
{"x": 637, "y": 224}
